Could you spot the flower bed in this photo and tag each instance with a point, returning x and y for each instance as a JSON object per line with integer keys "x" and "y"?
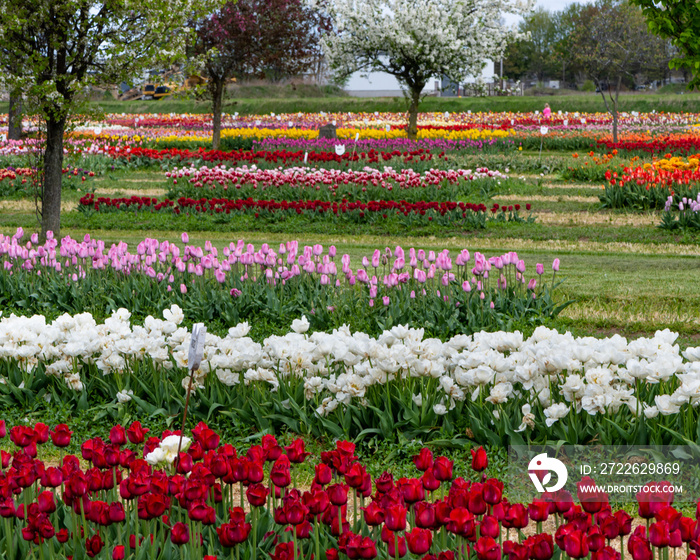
{"x": 463, "y": 214}
{"x": 648, "y": 188}
{"x": 687, "y": 218}
{"x": 174, "y": 495}
{"x": 496, "y": 387}
{"x": 445, "y": 293}
{"x": 328, "y": 184}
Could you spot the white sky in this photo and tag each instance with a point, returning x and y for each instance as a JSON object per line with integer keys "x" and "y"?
{"x": 551, "y": 5}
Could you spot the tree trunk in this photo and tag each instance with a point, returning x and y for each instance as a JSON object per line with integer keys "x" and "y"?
{"x": 53, "y": 175}
{"x": 217, "y": 98}
{"x": 14, "y": 117}
{"x": 414, "y": 102}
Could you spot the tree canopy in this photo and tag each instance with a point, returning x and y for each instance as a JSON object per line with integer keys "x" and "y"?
{"x": 679, "y": 21}
{"x": 416, "y": 40}
{"x": 60, "y": 48}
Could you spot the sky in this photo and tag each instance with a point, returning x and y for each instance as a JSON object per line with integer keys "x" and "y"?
{"x": 551, "y": 5}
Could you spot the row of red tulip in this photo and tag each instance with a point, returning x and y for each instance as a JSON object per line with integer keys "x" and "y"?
{"x": 171, "y": 491}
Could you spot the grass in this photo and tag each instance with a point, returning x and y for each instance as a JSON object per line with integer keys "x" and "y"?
{"x": 262, "y": 100}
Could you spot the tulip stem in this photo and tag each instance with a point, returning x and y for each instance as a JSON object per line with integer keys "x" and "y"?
{"x": 317, "y": 537}
{"x": 254, "y": 512}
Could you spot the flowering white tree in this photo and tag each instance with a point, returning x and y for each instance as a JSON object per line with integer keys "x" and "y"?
{"x": 415, "y": 40}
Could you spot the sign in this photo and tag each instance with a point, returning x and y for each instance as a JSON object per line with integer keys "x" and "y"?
{"x": 544, "y": 130}
{"x": 340, "y": 149}
{"x": 199, "y": 333}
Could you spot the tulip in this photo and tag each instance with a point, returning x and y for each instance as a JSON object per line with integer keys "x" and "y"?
{"x": 425, "y": 516}
{"x": 639, "y": 548}
{"x": 479, "y": 459}
{"x": 489, "y": 526}
{"x": 231, "y": 534}
{"x": 136, "y": 433}
{"x": 338, "y": 494}
{"x": 296, "y": 452}
{"x": 596, "y": 539}
{"x": 374, "y": 514}
{"x": 487, "y": 548}
{"x": 659, "y": 534}
{"x": 3, "y": 429}
{"x": 117, "y": 435}
{"x": 280, "y": 474}
{"x": 516, "y": 551}
{"x": 541, "y": 546}
{"x": 419, "y": 540}
{"x": 424, "y": 460}
{"x": 576, "y": 544}
{"x": 607, "y": 553}
{"x": 93, "y": 545}
{"x": 395, "y": 517}
{"x": 119, "y": 552}
{"x": 442, "y": 468}
{"x": 257, "y": 495}
{"x": 516, "y": 517}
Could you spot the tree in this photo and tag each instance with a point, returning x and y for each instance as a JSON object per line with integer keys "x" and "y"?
{"x": 270, "y": 39}
{"x": 612, "y": 42}
{"x": 65, "y": 46}
{"x": 415, "y": 40}
{"x": 679, "y": 21}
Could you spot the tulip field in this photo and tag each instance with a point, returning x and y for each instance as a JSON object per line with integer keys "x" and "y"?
{"x": 322, "y": 348}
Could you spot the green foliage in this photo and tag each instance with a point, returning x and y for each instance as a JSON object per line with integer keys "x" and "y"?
{"x": 679, "y": 21}
{"x": 588, "y": 86}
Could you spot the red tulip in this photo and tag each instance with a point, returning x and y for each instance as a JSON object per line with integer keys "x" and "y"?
{"x": 296, "y": 452}
{"x": 659, "y": 534}
{"x": 424, "y": 460}
{"x": 41, "y": 431}
{"x": 411, "y": 489}
{"x": 576, "y": 544}
{"x": 338, "y": 494}
{"x": 425, "y": 515}
{"x": 324, "y": 474}
{"x": 489, "y": 527}
{"x": 419, "y": 540}
{"x": 354, "y": 477}
{"x": 516, "y": 551}
{"x": 257, "y": 495}
{"x": 462, "y": 522}
{"x": 119, "y": 552}
{"x": 205, "y": 436}
{"x": 46, "y": 502}
{"x": 3, "y": 429}
{"x": 442, "y": 468}
{"x": 516, "y": 517}
{"x": 22, "y": 436}
{"x": 280, "y": 475}
{"x": 639, "y": 548}
{"x": 180, "y": 533}
{"x": 385, "y": 482}
{"x": 592, "y": 500}
{"x": 395, "y": 517}
{"x": 487, "y": 548}
{"x": 479, "y": 459}
{"x": 136, "y": 433}
{"x": 610, "y": 527}
{"x": 93, "y": 545}
{"x": 538, "y": 510}
{"x": 541, "y": 546}
{"x": 396, "y": 546}
{"x": 117, "y": 435}
{"x": 374, "y": 514}
{"x": 596, "y": 539}
{"x": 606, "y": 553}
